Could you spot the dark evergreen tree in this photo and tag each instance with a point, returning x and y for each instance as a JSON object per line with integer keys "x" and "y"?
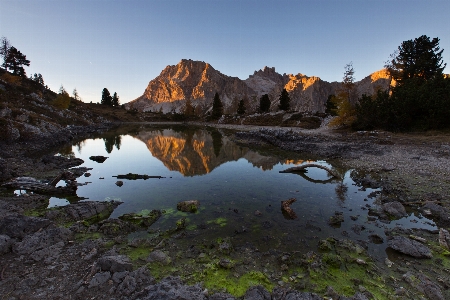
{"x": 115, "y": 100}
{"x": 15, "y": 61}
{"x": 217, "y": 108}
{"x": 106, "y": 97}
{"x": 37, "y": 78}
{"x": 264, "y": 103}
{"x": 241, "y": 107}
{"x": 420, "y": 58}
{"x": 330, "y": 105}
{"x": 284, "y": 101}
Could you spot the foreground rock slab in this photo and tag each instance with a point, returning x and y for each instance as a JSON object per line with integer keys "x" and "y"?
{"x": 409, "y": 247}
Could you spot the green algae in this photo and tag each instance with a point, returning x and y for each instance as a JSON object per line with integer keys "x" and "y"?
{"x": 219, "y": 221}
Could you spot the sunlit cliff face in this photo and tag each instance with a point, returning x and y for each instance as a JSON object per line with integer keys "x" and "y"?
{"x": 200, "y": 152}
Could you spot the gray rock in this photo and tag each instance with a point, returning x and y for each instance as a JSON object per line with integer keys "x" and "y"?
{"x": 159, "y": 256}
{"x": 128, "y": 286}
{"x": 48, "y": 252}
{"x": 395, "y": 209}
{"x": 5, "y": 244}
{"x": 409, "y": 247}
{"x": 99, "y": 279}
{"x": 171, "y": 288}
{"x": 424, "y": 285}
{"x": 18, "y": 226}
{"x": 116, "y": 263}
{"x": 41, "y": 240}
{"x": 90, "y": 209}
{"x": 188, "y": 206}
{"x": 257, "y": 293}
{"x": 282, "y": 294}
{"x": 119, "y": 276}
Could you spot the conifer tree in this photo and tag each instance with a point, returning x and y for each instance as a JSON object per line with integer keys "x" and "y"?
{"x": 284, "y": 101}
{"x": 217, "y": 108}
{"x": 115, "y": 100}
{"x": 264, "y": 103}
{"x": 106, "y": 97}
{"x": 15, "y": 61}
{"x": 241, "y": 107}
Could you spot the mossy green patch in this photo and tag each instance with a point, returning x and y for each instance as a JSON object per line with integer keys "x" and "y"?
{"x": 88, "y": 235}
{"x": 218, "y": 279}
{"x": 137, "y": 253}
{"x": 219, "y": 221}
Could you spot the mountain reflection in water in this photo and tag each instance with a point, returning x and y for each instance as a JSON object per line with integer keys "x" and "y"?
{"x": 199, "y": 152}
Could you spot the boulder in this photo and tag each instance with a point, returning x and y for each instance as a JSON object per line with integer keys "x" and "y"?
{"x": 99, "y": 159}
{"x": 257, "y": 293}
{"x": 98, "y": 210}
{"x": 188, "y": 206}
{"x": 42, "y": 239}
{"x": 395, "y": 209}
{"x": 18, "y": 226}
{"x": 143, "y": 219}
{"x": 115, "y": 263}
{"x": 409, "y": 247}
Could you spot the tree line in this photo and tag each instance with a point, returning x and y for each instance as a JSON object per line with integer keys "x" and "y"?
{"x": 419, "y": 99}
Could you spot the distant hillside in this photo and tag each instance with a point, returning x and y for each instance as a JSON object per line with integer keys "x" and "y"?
{"x": 199, "y": 81}
{"x": 28, "y": 109}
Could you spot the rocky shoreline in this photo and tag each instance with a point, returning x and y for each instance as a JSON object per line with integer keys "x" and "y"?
{"x": 76, "y": 252}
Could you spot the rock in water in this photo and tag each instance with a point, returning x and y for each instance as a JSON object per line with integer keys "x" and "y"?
{"x": 409, "y": 247}
{"x": 188, "y": 206}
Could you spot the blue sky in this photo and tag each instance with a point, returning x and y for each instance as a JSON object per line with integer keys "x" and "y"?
{"x": 122, "y": 45}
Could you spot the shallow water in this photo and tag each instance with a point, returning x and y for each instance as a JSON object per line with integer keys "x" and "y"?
{"x": 231, "y": 183}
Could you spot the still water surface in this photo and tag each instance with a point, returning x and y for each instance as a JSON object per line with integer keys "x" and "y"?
{"x": 239, "y": 189}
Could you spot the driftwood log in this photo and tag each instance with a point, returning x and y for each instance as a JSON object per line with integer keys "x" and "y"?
{"x": 288, "y": 212}
{"x": 302, "y": 168}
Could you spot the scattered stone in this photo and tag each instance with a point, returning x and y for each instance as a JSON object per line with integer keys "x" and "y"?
{"x": 226, "y": 263}
{"x": 409, "y": 247}
{"x": 159, "y": 256}
{"x": 42, "y": 239}
{"x": 257, "y": 213}
{"x": 99, "y": 159}
{"x": 188, "y": 206}
{"x": 337, "y": 219}
{"x": 257, "y": 293}
{"x": 99, "y": 279}
{"x": 171, "y": 288}
{"x": 119, "y": 183}
{"x": 444, "y": 238}
{"x": 388, "y": 263}
{"x": 116, "y": 263}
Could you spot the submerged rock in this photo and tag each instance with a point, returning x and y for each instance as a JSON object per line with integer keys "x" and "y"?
{"x": 188, "y": 206}
{"x": 409, "y": 247}
{"x": 143, "y": 219}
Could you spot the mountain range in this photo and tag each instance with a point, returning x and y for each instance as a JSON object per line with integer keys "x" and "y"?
{"x": 198, "y": 82}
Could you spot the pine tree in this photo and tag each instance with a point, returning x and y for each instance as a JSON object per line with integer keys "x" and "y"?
{"x": 106, "y": 97}
{"x": 217, "y": 108}
{"x": 264, "y": 103}
{"x": 115, "y": 100}
{"x": 284, "y": 101}
{"x": 75, "y": 95}
{"x": 241, "y": 108}
{"x": 15, "y": 61}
